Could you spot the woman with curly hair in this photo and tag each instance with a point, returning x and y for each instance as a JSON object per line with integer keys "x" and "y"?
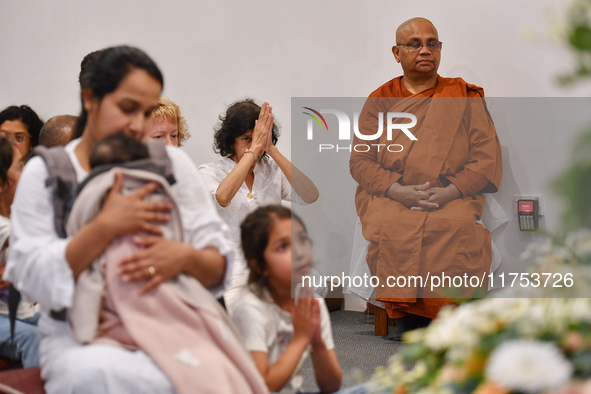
{"x": 167, "y": 124}
{"x": 251, "y": 173}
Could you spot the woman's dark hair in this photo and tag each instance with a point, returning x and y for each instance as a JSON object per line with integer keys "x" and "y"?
{"x": 255, "y": 231}
{"x": 102, "y": 71}
{"x": 6, "y": 156}
{"x": 25, "y": 114}
{"x": 238, "y": 119}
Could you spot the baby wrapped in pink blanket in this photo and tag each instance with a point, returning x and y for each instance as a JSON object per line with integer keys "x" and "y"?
{"x": 180, "y": 325}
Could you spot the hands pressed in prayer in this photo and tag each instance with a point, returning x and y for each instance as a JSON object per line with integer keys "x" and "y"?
{"x": 263, "y": 131}
{"x": 301, "y": 184}
{"x": 306, "y": 296}
{"x": 305, "y": 316}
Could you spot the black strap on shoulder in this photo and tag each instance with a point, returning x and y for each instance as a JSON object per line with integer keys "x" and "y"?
{"x": 14, "y": 297}
{"x": 63, "y": 181}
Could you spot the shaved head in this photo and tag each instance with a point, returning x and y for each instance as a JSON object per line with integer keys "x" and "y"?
{"x": 404, "y": 28}
{"x": 418, "y": 50}
{"x": 58, "y": 130}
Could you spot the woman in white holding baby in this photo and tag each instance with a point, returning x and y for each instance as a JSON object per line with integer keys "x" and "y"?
{"x": 120, "y": 89}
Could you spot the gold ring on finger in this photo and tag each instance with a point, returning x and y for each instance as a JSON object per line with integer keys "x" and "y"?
{"x": 152, "y": 270}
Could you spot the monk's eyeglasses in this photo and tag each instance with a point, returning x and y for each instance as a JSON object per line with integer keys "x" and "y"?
{"x": 417, "y": 45}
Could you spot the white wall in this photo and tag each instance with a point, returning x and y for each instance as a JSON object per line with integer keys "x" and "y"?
{"x": 214, "y": 52}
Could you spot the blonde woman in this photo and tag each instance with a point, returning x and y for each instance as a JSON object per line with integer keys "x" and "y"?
{"x": 167, "y": 124}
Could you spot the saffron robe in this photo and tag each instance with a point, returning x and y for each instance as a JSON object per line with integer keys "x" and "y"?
{"x": 457, "y": 143}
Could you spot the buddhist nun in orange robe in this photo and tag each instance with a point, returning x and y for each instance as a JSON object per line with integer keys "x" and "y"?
{"x": 456, "y": 151}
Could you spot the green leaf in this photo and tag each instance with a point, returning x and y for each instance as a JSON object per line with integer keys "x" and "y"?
{"x": 467, "y": 386}
{"x": 582, "y": 363}
{"x": 491, "y": 341}
{"x": 414, "y": 352}
{"x": 574, "y": 185}
{"x": 580, "y": 38}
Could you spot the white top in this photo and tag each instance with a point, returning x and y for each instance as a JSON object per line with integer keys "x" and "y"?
{"x": 265, "y": 327}
{"x": 4, "y": 231}
{"x": 25, "y": 309}
{"x": 37, "y": 264}
{"x": 269, "y": 188}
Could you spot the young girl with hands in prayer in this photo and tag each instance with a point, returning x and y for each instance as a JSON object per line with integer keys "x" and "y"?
{"x": 280, "y": 331}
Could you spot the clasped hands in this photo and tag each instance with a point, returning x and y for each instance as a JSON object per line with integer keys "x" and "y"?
{"x": 423, "y": 197}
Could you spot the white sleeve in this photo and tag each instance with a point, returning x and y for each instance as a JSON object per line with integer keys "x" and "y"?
{"x": 201, "y": 222}
{"x": 212, "y": 178}
{"x": 325, "y": 326}
{"x": 250, "y": 322}
{"x": 4, "y": 230}
{"x": 37, "y": 255}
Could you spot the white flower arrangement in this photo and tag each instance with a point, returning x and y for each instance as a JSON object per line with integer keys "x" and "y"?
{"x": 495, "y": 345}
{"x": 528, "y": 366}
